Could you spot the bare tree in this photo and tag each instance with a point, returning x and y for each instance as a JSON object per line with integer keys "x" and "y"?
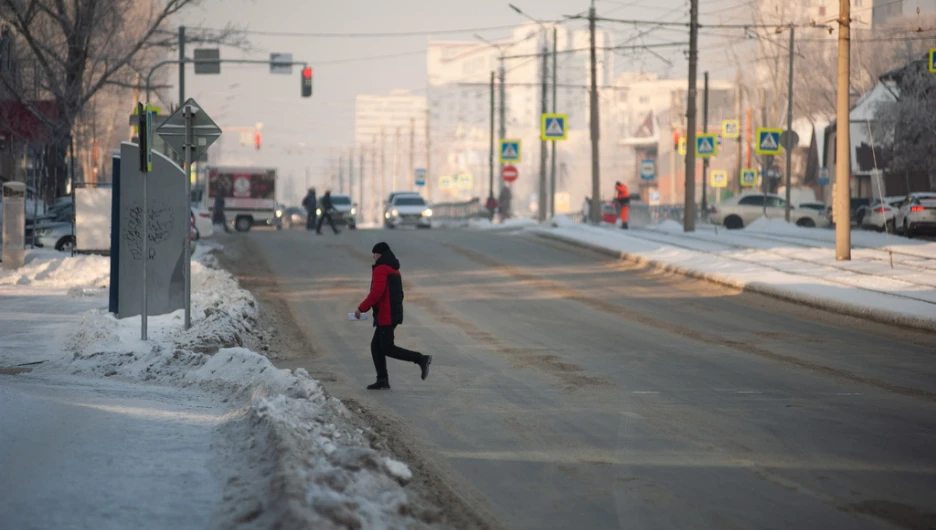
{"x": 907, "y": 126}
{"x": 78, "y": 48}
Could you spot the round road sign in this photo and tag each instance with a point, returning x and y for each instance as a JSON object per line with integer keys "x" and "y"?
{"x": 509, "y": 173}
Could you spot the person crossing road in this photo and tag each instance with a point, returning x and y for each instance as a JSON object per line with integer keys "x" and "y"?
{"x": 386, "y": 300}
{"x": 327, "y": 209}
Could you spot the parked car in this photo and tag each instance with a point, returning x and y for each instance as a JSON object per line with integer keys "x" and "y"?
{"x": 203, "y": 225}
{"x": 742, "y": 210}
{"x": 917, "y": 213}
{"x": 344, "y": 208}
{"x": 293, "y": 216}
{"x": 879, "y": 215}
{"x": 55, "y": 234}
{"x": 408, "y": 209}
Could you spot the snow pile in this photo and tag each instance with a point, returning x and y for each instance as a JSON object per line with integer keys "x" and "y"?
{"x": 670, "y": 226}
{"x": 55, "y": 270}
{"x": 303, "y": 462}
{"x": 777, "y": 226}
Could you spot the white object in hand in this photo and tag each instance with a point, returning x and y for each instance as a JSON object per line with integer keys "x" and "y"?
{"x": 352, "y": 317}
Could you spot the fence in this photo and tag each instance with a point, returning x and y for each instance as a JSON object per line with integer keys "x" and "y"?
{"x": 460, "y": 210}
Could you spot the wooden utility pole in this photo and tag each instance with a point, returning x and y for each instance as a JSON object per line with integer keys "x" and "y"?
{"x": 689, "y": 202}
{"x": 595, "y": 125}
{"x": 412, "y": 153}
{"x": 372, "y": 203}
{"x": 428, "y": 158}
{"x": 841, "y": 204}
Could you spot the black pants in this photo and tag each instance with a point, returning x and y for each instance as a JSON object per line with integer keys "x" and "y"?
{"x": 382, "y": 346}
{"x": 310, "y": 219}
{"x": 325, "y": 216}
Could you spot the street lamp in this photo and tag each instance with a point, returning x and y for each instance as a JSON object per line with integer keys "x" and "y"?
{"x": 542, "y": 194}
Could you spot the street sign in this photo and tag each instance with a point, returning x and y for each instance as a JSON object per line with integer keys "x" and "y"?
{"x": 731, "y": 128}
{"x": 932, "y": 60}
{"x": 464, "y": 182}
{"x": 768, "y": 141}
{"x": 794, "y": 138}
{"x": 773, "y": 173}
{"x": 719, "y": 140}
{"x": 647, "y": 169}
{"x": 553, "y": 127}
{"x": 420, "y": 176}
{"x": 281, "y": 63}
{"x": 719, "y": 179}
{"x": 824, "y": 176}
{"x": 682, "y": 146}
{"x": 207, "y": 61}
{"x": 445, "y": 183}
{"x": 204, "y": 130}
{"x": 706, "y": 145}
{"x": 748, "y": 177}
{"x": 509, "y": 151}
{"x": 653, "y": 197}
{"x": 509, "y": 173}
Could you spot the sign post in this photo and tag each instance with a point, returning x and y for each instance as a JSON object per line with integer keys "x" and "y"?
{"x": 748, "y": 177}
{"x": 146, "y": 128}
{"x": 647, "y": 169}
{"x": 510, "y": 151}
{"x": 189, "y": 131}
{"x": 509, "y": 173}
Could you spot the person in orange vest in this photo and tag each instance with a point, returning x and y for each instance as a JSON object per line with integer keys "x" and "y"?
{"x": 623, "y": 199}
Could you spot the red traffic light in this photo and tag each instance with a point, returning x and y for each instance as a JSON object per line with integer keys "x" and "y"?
{"x": 307, "y": 72}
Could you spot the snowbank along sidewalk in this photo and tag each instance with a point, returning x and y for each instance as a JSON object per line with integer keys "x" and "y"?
{"x": 294, "y": 457}
{"x": 784, "y": 261}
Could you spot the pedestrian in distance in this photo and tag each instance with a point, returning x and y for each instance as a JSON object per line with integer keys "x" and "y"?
{"x": 310, "y": 203}
{"x": 217, "y": 214}
{"x": 622, "y": 197}
{"x": 327, "y": 209}
{"x": 386, "y": 300}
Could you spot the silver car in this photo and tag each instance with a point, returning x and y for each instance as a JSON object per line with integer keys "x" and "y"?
{"x": 343, "y": 210}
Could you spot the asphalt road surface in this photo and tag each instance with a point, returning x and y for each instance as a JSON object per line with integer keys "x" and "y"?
{"x": 569, "y": 390}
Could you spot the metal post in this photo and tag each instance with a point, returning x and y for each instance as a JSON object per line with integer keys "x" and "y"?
{"x": 789, "y": 127}
{"x": 705, "y": 161}
{"x": 351, "y": 174}
{"x": 372, "y": 204}
{"x": 412, "y": 153}
{"x": 541, "y": 210}
{"x": 71, "y": 148}
{"x": 841, "y": 204}
{"x": 767, "y": 158}
{"x": 187, "y": 165}
{"x": 552, "y": 163}
{"x": 689, "y": 202}
{"x": 736, "y": 186}
{"x": 143, "y": 112}
{"x": 491, "y": 146}
{"x": 181, "y": 67}
{"x": 360, "y": 189}
{"x": 428, "y": 155}
{"x": 383, "y": 168}
{"x": 502, "y": 133}
{"x": 595, "y": 130}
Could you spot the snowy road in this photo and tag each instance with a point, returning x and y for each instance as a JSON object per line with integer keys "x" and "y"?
{"x": 572, "y": 391}
{"x": 70, "y": 455}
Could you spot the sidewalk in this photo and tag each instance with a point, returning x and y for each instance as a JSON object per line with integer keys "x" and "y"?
{"x": 787, "y": 262}
{"x": 103, "y": 430}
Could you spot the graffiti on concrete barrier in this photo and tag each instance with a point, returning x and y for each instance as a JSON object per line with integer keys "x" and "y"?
{"x": 161, "y": 220}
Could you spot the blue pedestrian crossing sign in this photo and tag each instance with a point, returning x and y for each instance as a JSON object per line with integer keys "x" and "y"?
{"x": 731, "y": 128}
{"x": 932, "y": 60}
{"x": 748, "y": 177}
{"x": 719, "y": 178}
{"x": 768, "y": 141}
{"x": 706, "y": 145}
{"x": 554, "y": 127}
{"x": 420, "y": 175}
{"x": 647, "y": 169}
{"x": 509, "y": 151}
{"x": 824, "y": 176}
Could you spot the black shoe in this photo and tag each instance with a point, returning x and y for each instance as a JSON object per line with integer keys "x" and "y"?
{"x": 381, "y": 384}
{"x": 424, "y": 366}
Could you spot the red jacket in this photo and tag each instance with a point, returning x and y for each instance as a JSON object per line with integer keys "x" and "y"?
{"x": 386, "y": 292}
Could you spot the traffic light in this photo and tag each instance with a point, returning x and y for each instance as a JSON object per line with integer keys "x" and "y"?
{"x": 306, "y": 82}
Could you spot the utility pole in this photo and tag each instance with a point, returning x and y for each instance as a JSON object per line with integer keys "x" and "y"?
{"x": 181, "y": 65}
{"x": 360, "y": 189}
{"x": 491, "y": 146}
{"x": 595, "y": 131}
{"x": 351, "y": 174}
{"x": 705, "y": 161}
{"x": 383, "y": 166}
{"x": 428, "y": 156}
{"x": 552, "y": 163}
{"x": 736, "y": 181}
{"x": 396, "y": 159}
{"x": 789, "y": 127}
{"x": 340, "y": 174}
{"x": 541, "y": 210}
{"x": 840, "y": 206}
{"x": 372, "y": 204}
{"x": 412, "y": 153}
{"x": 689, "y": 203}
{"x": 502, "y": 74}
{"x": 767, "y": 158}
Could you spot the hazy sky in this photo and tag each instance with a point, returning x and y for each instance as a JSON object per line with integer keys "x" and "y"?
{"x": 244, "y": 95}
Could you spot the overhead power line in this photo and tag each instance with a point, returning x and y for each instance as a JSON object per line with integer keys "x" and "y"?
{"x": 424, "y": 33}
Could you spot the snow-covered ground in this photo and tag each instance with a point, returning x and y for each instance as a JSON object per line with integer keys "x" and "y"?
{"x": 186, "y": 430}
{"x": 786, "y": 261}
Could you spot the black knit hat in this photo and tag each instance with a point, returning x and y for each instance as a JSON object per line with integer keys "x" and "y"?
{"x": 381, "y": 248}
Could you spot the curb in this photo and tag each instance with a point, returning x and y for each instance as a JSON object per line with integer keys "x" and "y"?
{"x": 843, "y": 308}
